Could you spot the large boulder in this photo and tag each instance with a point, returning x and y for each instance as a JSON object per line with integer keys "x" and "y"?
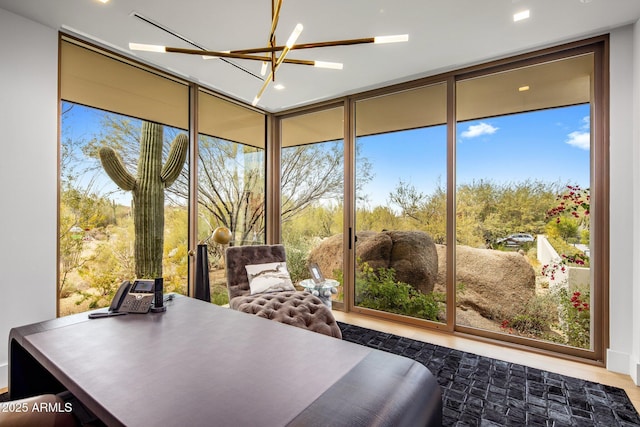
{"x": 495, "y": 284}
{"x": 412, "y": 254}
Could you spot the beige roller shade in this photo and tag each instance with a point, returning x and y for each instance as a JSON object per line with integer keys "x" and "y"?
{"x": 552, "y": 84}
{"x": 97, "y": 80}
{"x": 411, "y": 109}
{"x": 320, "y": 126}
{"x": 232, "y": 122}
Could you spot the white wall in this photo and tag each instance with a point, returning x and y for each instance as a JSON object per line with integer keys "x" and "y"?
{"x": 28, "y": 175}
{"x": 634, "y": 363}
{"x": 634, "y": 187}
{"x": 623, "y": 328}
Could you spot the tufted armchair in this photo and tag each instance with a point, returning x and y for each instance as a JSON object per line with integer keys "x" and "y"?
{"x": 296, "y": 308}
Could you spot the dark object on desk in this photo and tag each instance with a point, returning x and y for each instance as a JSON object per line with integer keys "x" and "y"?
{"x": 158, "y": 296}
{"x": 203, "y": 290}
{"x": 135, "y": 297}
{"x": 296, "y": 308}
{"x": 102, "y": 314}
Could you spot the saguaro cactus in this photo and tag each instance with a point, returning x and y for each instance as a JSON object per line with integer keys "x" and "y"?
{"x": 148, "y": 192}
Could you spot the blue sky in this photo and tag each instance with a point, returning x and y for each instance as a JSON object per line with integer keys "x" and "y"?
{"x": 548, "y": 145}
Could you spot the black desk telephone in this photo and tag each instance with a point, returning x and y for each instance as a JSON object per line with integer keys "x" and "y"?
{"x": 136, "y": 297}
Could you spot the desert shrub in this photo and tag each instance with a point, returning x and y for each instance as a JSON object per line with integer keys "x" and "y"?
{"x": 565, "y": 228}
{"x": 105, "y": 271}
{"x": 297, "y": 259}
{"x": 528, "y": 324}
{"x": 575, "y": 316}
{"x": 536, "y": 317}
{"x": 219, "y": 295}
{"x": 585, "y": 237}
{"x": 297, "y": 249}
{"x": 380, "y": 290}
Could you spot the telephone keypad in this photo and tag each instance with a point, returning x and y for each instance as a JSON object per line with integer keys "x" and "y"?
{"x": 137, "y": 303}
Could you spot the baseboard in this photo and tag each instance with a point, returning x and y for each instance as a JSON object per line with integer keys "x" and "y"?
{"x": 4, "y": 376}
{"x": 620, "y": 362}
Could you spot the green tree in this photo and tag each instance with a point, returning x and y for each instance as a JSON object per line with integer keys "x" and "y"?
{"x": 564, "y": 227}
{"x": 314, "y": 174}
{"x": 378, "y": 219}
{"x": 80, "y": 208}
{"x": 487, "y": 211}
{"x": 425, "y": 212}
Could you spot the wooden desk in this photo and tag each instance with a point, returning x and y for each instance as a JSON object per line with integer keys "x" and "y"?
{"x": 198, "y": 364}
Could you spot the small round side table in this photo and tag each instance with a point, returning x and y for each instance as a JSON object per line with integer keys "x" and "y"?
{"x": 322, "y": 290}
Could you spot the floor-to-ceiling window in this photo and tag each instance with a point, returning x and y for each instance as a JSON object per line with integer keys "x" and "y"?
{"x": 110, "y": 103}
{"x": 114, "y": 115}
{"x": 312, "y": 193}
{"x": 401, "y": 204}
{"x": 524, "y": 177}
{"x": 230, "y": 182}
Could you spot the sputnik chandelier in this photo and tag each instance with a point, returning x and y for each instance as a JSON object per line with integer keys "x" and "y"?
{"x": 272, "y": 56}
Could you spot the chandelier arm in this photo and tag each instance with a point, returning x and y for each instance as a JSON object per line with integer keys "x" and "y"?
{"x": 271, "y": 77}
{"x": 275, "y": 16}
{"x": 269, "y": 49}
{"x": 334, "y": 43}
{"x": 215, "y": 53}
{"x": 264, "y": 86}
{"x": 300, "y": 62}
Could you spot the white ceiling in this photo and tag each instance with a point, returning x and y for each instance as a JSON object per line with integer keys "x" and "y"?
{"x": 443, "y": 35}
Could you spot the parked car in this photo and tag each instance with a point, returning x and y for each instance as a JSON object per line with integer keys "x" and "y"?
{"x": 516, "y": 239}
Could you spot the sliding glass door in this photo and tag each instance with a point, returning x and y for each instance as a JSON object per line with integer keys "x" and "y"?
{"x": 523, "y": 196}
{"x": 312, "y": 194}
{"x": 401, "y": 204}
{"x": 480, "y": 202}
{"x": 231, "y": 173}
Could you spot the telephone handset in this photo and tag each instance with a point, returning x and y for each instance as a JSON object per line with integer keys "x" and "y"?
{"x": 135, "y": 297}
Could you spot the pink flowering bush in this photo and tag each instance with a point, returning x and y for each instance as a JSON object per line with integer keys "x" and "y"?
{"x": 576, "y": 202}
{"x": 577, "y": 259}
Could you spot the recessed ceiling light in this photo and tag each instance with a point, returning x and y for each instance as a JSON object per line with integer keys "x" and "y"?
{"x": 278, "y": 86}
{"x": 103, "y": 1}
{"x": 521, "y": 15}
{"x": 523, "y": 88}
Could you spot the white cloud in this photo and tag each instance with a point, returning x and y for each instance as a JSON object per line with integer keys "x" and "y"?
{"x": 478, "y": 130}
{"x": 582, "y": 138}
{"x": 586, "y": 122}
{"x": 579, "y": 139}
